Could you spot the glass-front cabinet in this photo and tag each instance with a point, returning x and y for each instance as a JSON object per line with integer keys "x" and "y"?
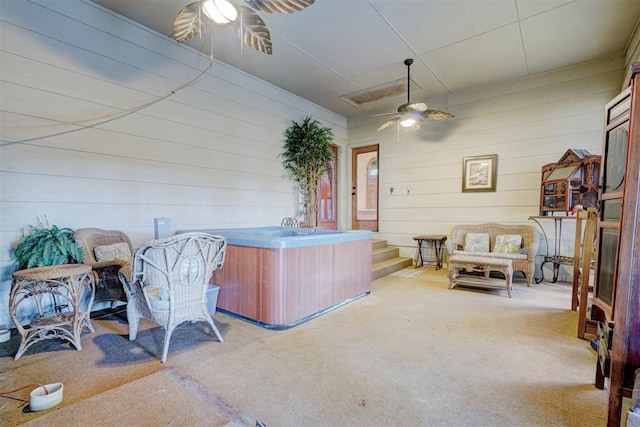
{"x": 617, "y": 286}
{"x": 615, "y": 151}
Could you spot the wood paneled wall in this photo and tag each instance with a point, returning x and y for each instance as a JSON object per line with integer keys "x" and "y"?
{"x": 527, "y": 123}
{"x": 206, "y": 156}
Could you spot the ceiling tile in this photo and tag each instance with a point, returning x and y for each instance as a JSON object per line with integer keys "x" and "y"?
{"x": 344, "y": 35}
{"x": 429, "y": 25}
{"x": 555, "y": 38}
{"x": 527, "y": 8}
{"x": 490, "y": 57}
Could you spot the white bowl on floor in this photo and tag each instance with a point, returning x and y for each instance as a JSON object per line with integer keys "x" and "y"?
{"x": 41, "y": 399}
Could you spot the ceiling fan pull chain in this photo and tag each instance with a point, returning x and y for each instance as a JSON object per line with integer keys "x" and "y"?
{"x": 211, "y": 46}
{"x": 199, "y": 23}
{"x": 241, "y": 32}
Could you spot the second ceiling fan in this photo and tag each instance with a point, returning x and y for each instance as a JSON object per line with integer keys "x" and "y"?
{"x": 411, "y": 115}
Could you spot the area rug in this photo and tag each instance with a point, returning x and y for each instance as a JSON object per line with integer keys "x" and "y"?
{"x": 146, "y": 401}
{"x": 407, "y": 273}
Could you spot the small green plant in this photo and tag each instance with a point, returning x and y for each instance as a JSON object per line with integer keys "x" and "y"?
{"x": 44, "y": 245}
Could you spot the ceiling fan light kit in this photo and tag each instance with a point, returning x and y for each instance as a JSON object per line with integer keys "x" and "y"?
{"x": 411, "y": 115}
{"x": 408, "y": 122}
{"x": 220, "y": 11}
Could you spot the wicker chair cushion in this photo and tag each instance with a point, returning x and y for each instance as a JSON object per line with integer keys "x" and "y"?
{"x": 476, "y": 242}
{"x": 112, "y": 252}
{"x": 508, "y": 244}
{"x": 158, "y": 298}
{"x": 498, "y": 255}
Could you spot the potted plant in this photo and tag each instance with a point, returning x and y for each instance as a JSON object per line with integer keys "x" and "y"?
{"x": 307, "y": 151}
{"x": 44, "y": 245}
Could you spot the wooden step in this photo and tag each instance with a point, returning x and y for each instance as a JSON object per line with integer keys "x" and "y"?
{"x": 379, "y": 243}
{"x": 384, "y": 253}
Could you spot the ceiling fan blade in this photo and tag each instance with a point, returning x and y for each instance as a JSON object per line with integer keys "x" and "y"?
{"x": 390, "y": 123}
{"x": 417, "y": 106}
{"x": 386, "y": 114}
{"x": 437, "y": 115}
{"x": 190, "y": 22}
{"x": 279, "y": 6}
{"x": 253, "y": 31}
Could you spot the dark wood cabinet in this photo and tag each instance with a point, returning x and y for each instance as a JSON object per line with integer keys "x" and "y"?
{"x": 616, "y": 303}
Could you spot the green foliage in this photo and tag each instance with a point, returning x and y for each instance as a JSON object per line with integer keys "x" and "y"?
{"x": 43, "y": 245}
{"x": 307, "y": 151}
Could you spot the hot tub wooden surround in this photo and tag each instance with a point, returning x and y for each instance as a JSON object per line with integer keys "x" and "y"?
{"x": 282, "y": 287}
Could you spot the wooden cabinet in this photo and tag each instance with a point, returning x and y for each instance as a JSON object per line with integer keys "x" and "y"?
{"x": 571, "y": 181}
{"x": 617, "y": 292}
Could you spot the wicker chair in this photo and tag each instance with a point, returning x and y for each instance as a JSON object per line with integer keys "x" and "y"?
{"x": 290, "y": 221}
{"x": 168, "y": 282}
{"x": 95, "y": 244}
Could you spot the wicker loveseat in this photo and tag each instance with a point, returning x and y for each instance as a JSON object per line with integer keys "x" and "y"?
{"x": 522, "y": 254}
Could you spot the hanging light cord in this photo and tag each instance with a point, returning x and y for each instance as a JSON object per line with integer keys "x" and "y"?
{"x": 121, "y": 115}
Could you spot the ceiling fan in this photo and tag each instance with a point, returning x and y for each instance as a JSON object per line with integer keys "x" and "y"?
{"x": 194, "y": 19}
{"x": 412, "y": 115}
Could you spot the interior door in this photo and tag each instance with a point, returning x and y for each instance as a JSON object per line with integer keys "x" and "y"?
{"x": 364, "y": 188}
{"x": 328, "y": 196}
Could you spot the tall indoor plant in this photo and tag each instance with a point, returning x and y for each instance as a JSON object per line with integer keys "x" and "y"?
{"x": 307, "y": 152}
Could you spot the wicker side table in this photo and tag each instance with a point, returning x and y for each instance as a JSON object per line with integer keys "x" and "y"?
{"x": 63, "y": 295}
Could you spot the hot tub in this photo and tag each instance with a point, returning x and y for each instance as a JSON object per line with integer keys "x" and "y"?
{"x": 278, "y": 277}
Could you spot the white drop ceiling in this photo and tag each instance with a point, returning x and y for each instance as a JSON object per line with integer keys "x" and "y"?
{"x": 337, "y": 47}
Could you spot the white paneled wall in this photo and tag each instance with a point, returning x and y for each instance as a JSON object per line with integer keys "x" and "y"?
{"x": 206, "y": 156}
{"x": 527, "y": 123}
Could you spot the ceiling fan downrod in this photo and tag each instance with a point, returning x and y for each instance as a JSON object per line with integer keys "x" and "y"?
{"x": 408, "y": 63}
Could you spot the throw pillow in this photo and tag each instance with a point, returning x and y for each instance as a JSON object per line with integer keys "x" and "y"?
{"x": 112, "y": 252}
{"x": 508, "y": 244}
{"x": 476, "y": 242}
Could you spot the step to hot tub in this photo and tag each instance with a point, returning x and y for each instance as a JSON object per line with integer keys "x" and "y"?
{"x": 386, "y": 259}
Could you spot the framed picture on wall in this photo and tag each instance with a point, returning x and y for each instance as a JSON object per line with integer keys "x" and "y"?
{"x": 479, "y": 173}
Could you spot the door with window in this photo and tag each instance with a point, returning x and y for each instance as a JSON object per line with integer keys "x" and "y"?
{"x": 327, "y": 195}
{"x": 364, "y": 188}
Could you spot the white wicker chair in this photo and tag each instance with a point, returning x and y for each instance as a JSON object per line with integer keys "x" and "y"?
{"x": 290, "y": 221}
{"x": 169, "y": 280}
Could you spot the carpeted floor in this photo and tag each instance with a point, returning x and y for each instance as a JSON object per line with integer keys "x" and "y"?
{"x": 147, "y": 399}
{"x": 407, "y": 273}
{"x": 411, "y": 353}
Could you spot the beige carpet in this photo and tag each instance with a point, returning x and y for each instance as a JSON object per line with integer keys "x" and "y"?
{"x": 407, "y": 273}
{"x": 146, "y": 401}
{"x": 411, "y": 353}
